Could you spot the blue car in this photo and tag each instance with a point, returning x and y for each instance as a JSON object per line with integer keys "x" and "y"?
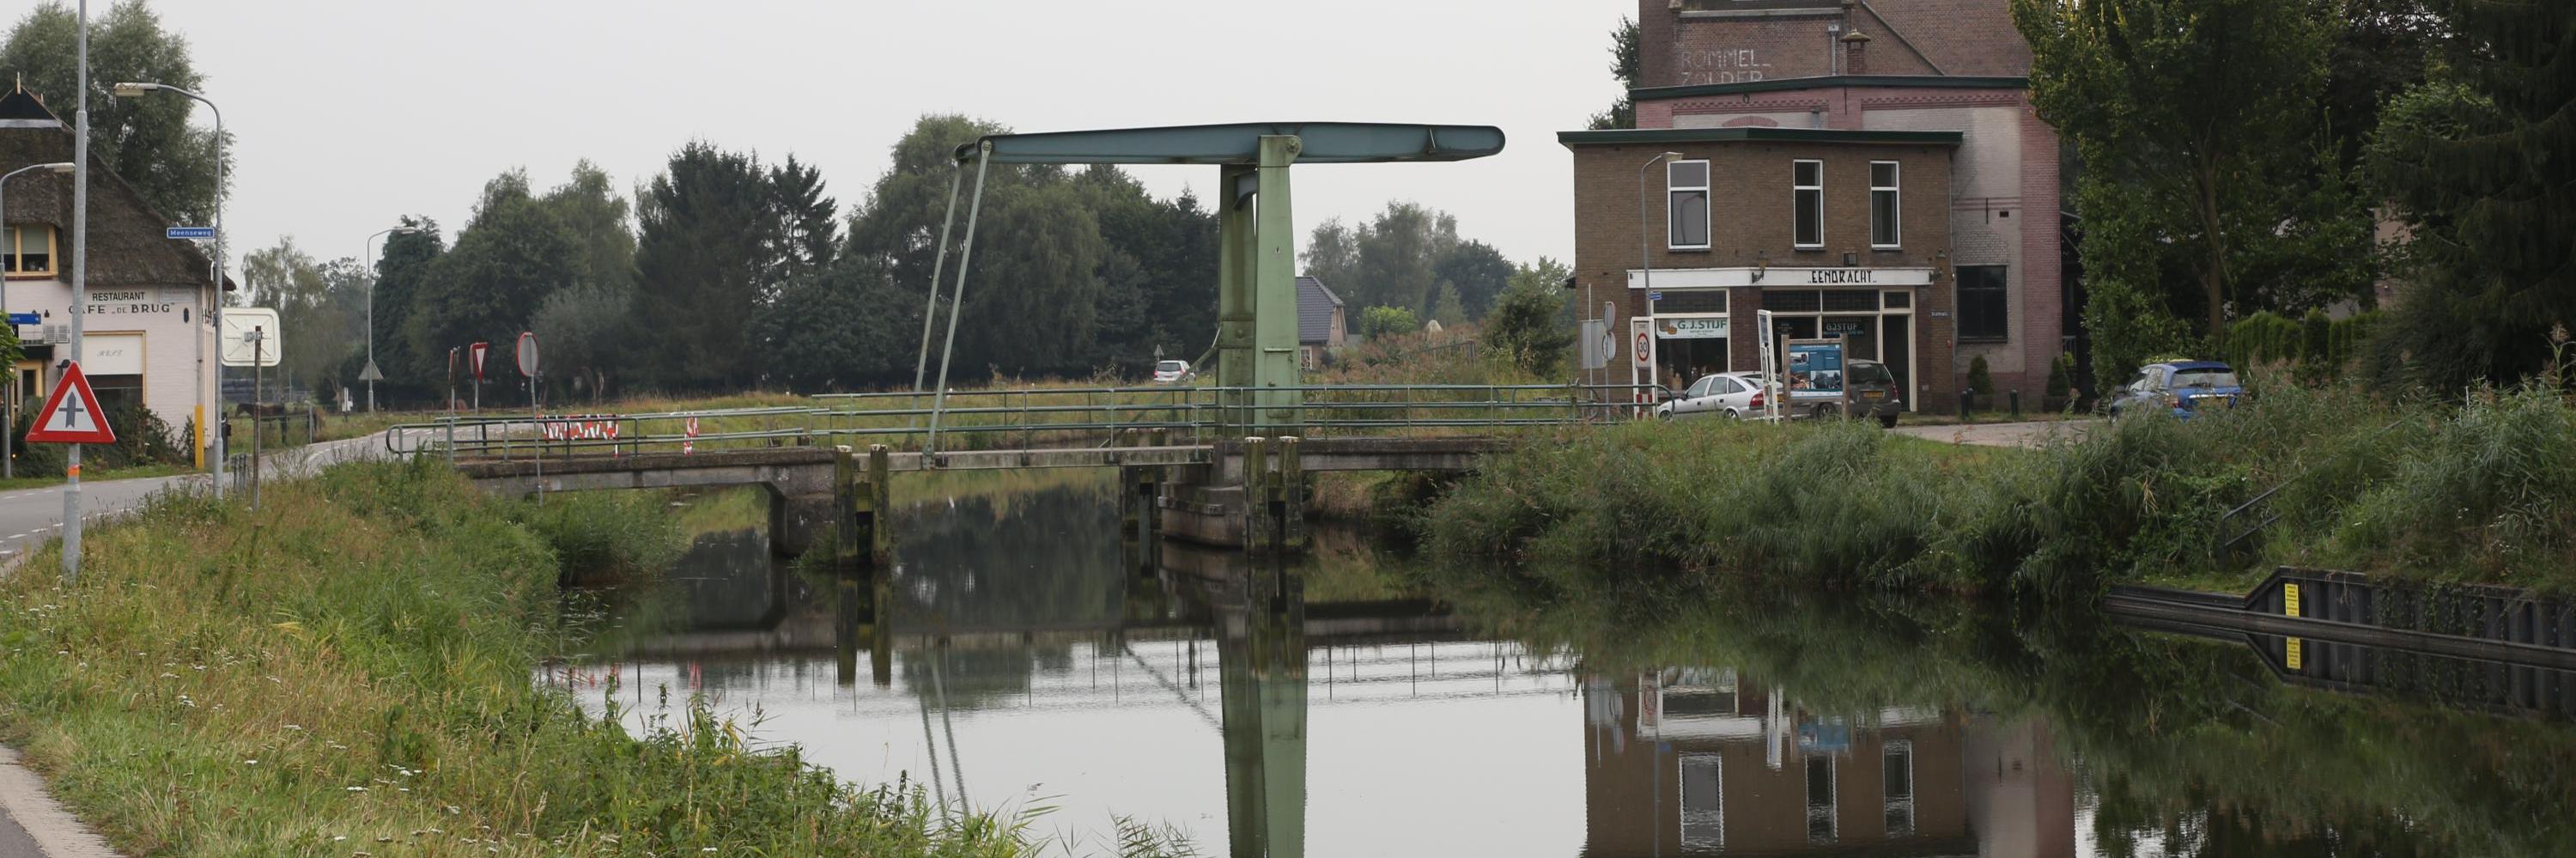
{"x": 2180, "y": 388}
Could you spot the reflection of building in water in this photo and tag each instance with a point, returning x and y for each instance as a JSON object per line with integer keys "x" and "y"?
{"x": 1689, "y": 761}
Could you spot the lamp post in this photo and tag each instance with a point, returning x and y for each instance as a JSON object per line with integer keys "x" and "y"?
{"x": 215, "y": 308}
{"x": 374, "y": 271}
{"x": 9, "y": 414}
{"x": 1645, "y": 261}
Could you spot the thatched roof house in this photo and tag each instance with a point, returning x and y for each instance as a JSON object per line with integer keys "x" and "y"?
{"x": 126, "y": 244}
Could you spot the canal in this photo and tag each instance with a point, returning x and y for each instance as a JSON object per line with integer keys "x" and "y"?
{"x": 1022, "y": 659}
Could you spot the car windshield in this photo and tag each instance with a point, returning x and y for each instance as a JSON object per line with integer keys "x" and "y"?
{"x": 1865, "y": 372}
{"x": 1170, "y": 366}
{"x": 2204, "y": 378}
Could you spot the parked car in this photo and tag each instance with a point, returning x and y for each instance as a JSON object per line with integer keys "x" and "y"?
{"x": 1868, "y": 391}
{"x": 2180, "y": 388}
{"x": 1174, "y": 372}
{"x": 1731, "y": 395}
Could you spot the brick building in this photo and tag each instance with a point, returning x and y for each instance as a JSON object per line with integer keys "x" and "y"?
{"x": 1827, "y": 154}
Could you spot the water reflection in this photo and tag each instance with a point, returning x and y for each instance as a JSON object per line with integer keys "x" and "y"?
{"x": 1016, "y": 658}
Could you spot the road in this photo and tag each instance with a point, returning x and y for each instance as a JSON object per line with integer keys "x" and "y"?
{"x": 2025, "y": 434}
{"x": 32, "y": 824}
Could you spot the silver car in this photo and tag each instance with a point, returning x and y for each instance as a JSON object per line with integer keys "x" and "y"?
{"x": 1731, "y": 395}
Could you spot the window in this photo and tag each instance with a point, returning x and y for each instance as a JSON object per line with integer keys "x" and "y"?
{"x": 1687, "y": 184}
{"x": 1821, "y": 825}
{"x": 1882, "y": 205}
{"x": 1899, "y": 300}
{"x": 30, "y": 249}
{"x": 1690, "y": 301}
{"x": 1983, "y": 312}
{"x": 1897, "y": 764}
{"x": 1807, "y": 181}
{"x": 1703, "y": 801}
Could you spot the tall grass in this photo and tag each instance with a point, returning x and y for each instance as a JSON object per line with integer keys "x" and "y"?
{"x": 349, "y": 669}
{"x": 2483, "y": 491}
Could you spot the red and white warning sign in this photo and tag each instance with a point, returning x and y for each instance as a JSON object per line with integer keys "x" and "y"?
{"x": 690, "y": 445}
{"x": 478, "y": 349}
{"x": 71, "y": 415}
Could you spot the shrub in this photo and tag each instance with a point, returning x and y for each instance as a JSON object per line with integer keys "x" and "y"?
{"x": 2061, "y": 382}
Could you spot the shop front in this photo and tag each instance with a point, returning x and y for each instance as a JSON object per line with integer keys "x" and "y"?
{"x": 1703, "y": 319}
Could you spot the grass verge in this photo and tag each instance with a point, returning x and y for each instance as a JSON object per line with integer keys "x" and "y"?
{"x": 348, "y": 669}
{"x": 2479, "y": 492}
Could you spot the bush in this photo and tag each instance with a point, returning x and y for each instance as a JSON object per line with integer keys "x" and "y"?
{"x": 2061, "y": 380}
{"x": 1382, "y": 321}
{"x": 1981, "y": 381}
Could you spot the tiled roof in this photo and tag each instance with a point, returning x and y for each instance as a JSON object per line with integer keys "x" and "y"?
{"x": 1315, "y": 303}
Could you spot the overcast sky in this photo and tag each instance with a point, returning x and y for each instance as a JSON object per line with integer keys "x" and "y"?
{"x": 348, "y": 115}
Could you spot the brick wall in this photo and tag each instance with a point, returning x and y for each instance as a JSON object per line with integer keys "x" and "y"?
{"x": 1742, "y": 41}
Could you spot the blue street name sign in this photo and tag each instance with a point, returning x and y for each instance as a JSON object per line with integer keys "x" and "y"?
{"x": 1654, "y": 296}
{"x": 25, "y": 319}
{"x": 190, "y": 232}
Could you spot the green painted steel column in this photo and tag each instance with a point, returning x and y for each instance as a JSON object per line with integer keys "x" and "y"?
{"x": 1275, "y": 292}
{"x": 1234, "y": 279}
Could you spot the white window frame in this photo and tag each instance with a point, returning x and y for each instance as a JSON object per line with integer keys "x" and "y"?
{"x": 1713, "y": 809}
{"x": 1831, "y": 812}
{"x": 1912, "y": 787}
{"x": 1708, "y": 201}
{"x": 1795, "y": 190}
{"x": 1895, "y": 208}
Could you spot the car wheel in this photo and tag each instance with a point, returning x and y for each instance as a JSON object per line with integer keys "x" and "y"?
{"x": 1732, "y": 414}
{"x": 1821, "y": 413}
{"x": 1887, "y": 421}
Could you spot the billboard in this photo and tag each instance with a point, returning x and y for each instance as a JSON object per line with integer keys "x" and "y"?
{"x": 1816, "y": 369}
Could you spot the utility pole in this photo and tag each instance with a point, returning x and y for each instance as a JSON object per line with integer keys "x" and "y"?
{"x": 80, "y": 288}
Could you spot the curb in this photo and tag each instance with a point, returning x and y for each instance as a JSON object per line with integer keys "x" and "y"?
{"x": 56, "y": 833}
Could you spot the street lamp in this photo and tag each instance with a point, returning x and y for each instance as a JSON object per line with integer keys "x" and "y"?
{"x": 375, "y": 270}
{"x": 9, "y": 414}
{"x": 215, "y": 308}
{"x": 1645, "y": 261}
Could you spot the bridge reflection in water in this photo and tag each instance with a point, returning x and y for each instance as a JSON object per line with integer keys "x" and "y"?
{"x": 1015, "y": 658}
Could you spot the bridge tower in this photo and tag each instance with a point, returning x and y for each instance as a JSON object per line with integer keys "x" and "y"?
{"x": 1256, "y": 337}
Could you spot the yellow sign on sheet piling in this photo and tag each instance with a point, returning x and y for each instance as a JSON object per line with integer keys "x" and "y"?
{"x": 2290, "y": 607}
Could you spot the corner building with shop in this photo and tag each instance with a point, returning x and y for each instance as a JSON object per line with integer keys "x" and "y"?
{"x": 1869, "y": 171}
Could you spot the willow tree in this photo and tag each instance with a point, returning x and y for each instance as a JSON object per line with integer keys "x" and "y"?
{"x": 2478, "y": 162}
{"x": 2205, "y": 180}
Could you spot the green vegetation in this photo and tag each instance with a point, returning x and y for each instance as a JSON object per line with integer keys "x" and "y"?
{"x": 1526, "y": 329}
{"x": 148, "y": 142}
{"x": 2485, "y": 492}
{"x": 606, "y": 536}
{"x": 1387, "y": 321}
{"x": 350, "y": 669}
{"x": 2320, "y": 347}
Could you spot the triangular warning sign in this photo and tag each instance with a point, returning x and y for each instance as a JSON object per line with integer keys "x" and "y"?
{"x": 71, "y": 415}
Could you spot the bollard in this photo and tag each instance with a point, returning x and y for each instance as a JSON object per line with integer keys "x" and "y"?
{"x": 1256, "y": 478}
{"x": 1291, "y": 495}
{"x": 1967, "y": 402}
{"x": 2014, "y": 397}
{"x": 880, "y": 504}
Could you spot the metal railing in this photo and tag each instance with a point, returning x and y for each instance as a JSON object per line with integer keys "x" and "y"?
{"x": 1036, "y": 418}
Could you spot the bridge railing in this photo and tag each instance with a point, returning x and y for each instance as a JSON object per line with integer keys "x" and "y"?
{"x": 1034, "y": 418}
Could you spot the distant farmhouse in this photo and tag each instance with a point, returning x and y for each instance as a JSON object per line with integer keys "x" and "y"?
{"x": 1871, "y": 171}
{"x": 1321, "y": 324}
{"x": 145, "y": 340}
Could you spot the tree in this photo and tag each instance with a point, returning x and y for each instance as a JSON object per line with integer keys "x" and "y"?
{"x": 146, "y": 141}
{"x": 1478, "y": 272}
{"x": 400, "y": 272}
{"x": 806, "y": 227}
{"x": 1527, "y": 326}
{"x": 818, "y": 336}
{"x": 587, "y": 331}
{"x": 507, "y": 260}
{"x": 1386, "y": 321}
{"x": 323, "y": 304}
{"x": 1446, "y": 309}
{"x": 595, "y": 216}
{"x": 2205, "y": 182}
{"x": 2477, "y": 163}
{"x": 1626, "y": 52}
{"x": 707, "y": 231}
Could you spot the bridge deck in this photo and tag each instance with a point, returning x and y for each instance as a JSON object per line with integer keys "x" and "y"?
{"x": 1320, "y": 454}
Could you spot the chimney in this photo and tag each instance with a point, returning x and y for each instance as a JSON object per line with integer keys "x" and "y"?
{"x": 1856, "y": 53}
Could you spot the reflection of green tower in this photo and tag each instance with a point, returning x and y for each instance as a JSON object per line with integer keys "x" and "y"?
{"x": 1261, "y": 663}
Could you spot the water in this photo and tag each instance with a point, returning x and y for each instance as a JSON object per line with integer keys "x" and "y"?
{"x": 1021, "y": 657}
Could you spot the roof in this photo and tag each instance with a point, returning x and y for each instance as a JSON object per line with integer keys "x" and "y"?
{"x": 1829, "y": 82}
{"x": 1756, "y": 134}
{"x": 1315, "y": 305}
{"x": 1240, "y": 143}
{"x": 127, "y": 245}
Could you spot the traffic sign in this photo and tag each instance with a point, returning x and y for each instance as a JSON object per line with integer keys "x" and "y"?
{"x": 477, "y": 351}
{"x": 240, "y": 323}
{"x": 528, "y": 354}
{"x": 71, "y": 415}
{"x": 25, "y": 319}
{"x": 371, "y": 373}
{"x": 189, "y": 232}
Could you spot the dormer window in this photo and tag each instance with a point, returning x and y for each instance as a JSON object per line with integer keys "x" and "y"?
{"x": 28, "y": 250}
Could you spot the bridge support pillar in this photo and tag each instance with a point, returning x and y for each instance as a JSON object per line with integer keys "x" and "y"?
{"x": 863, "y": 497}
{"x": 1140, "y": 491}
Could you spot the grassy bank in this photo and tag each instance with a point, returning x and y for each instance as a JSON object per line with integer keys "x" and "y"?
{"x": 349, "y": 669}
{"x": 2483, "y": 492}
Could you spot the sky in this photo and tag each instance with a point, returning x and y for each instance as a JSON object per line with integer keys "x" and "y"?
{"x": 347, "y": 116}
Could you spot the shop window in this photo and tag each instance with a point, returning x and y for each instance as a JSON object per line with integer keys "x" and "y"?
{"x": 1984, "y": 312}
{"x": 1686, "y": 185}
{"x": 1899, "y": 300}
{"x": 1792, "y": 301}
{"x": 1883, "y": 215}
{"x": 1807, "y": 184}
{"x": 1851, "y": 302}
{"x": 29, "y": 249}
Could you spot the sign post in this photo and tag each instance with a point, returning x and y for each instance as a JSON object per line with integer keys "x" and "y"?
{"x": 71, "y": 416}
{"x": 536, "y": 417}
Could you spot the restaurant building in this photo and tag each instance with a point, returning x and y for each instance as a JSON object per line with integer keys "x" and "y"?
{"x": 145, "y": 340}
